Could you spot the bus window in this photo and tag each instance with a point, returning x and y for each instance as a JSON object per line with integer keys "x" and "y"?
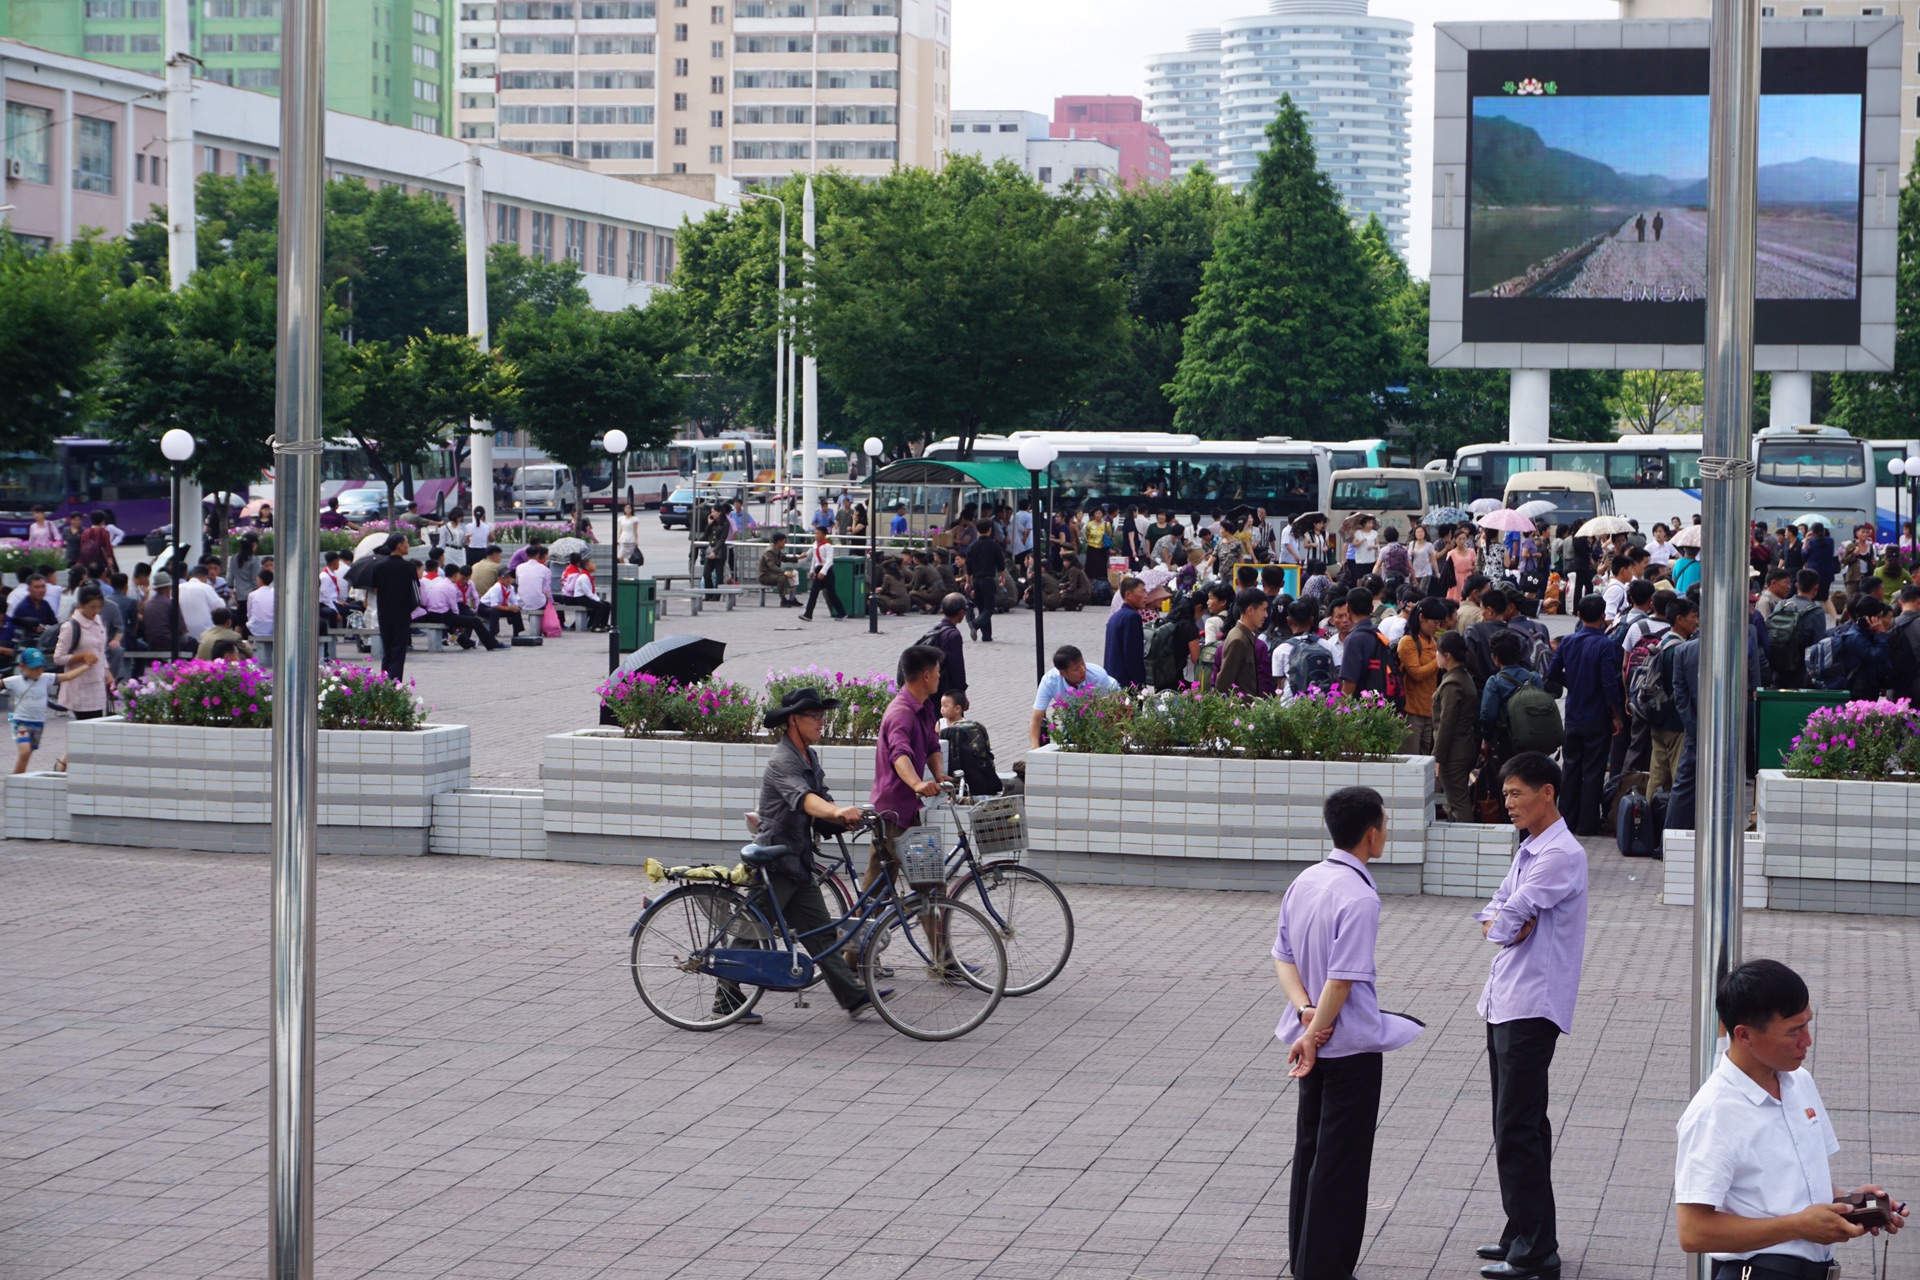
{"x": 1440, "y": 494}
{"x": 1570, "y": 506}
{"x": 1285, "y": 485}
{"x": 1812, "y": 462}
{"x": 1637, "y": 470}
{"x": 1683, "y": 469}
{"x": 1080, "y": 475}
{"x": 1882, "y": 455}
{"x": 1133, "y": 476}
{"x": 1383, "y": 493}
{"x": 1346, "y": 459}
{"x": 1592, "y": 464}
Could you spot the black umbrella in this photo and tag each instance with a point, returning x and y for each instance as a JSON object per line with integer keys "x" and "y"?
{"x": 683, "y": 658}
{"x": 1241, "y": 512}
{"x": 1304, "y": 524}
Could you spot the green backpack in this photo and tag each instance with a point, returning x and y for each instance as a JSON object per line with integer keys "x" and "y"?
{"x": 1533, "y": 721}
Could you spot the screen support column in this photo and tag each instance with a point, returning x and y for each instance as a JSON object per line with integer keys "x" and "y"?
{"x": 1529, "y": 397}
{"x": 1791, "y": 404}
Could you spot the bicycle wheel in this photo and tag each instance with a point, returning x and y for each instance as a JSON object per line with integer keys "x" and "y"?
{"x": 1032, "y": 915}
{"x": 667, "y": 943}
{"x": 943, "y": 993}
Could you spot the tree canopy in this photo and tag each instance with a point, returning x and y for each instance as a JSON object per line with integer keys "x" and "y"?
{"x": 60, "y": 313}
{"x": 1887, "y": 405}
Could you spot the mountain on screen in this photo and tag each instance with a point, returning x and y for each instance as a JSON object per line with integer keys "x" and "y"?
{"x": 1808, "y": 181}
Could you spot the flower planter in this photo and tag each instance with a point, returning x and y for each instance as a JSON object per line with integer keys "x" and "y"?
{"x": 1466, "y": 859}
{"x": 36, "y": 806}
{"x": 1839, "y": 845}
{"x": 610, "y": 798}
{"x": 1205, "y": 823}
{"x": 168, "y": 787}
{"x": 488, "y": 822}
{"x": 1678, "y": 848}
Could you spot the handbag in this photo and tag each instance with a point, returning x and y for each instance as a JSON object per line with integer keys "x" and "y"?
{"x": 550, "y": 622}
{"x": 1488, "y": 806}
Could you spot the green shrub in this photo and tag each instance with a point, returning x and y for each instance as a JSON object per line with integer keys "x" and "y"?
{"x": 863, "y": 700}
{"x": 354, "y": 697}
{"x": 214, "y": 695}
{"x": 1317, "y": 726}
{"x": 1869, "y": 741}
{"x": 716, "y": 711}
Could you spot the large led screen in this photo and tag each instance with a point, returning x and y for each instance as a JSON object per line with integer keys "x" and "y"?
{"x": 1588, "y": 173}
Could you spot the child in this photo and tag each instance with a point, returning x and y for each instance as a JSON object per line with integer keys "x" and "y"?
{"x": 964, "y": 743}
{"x": 30, "y": 689}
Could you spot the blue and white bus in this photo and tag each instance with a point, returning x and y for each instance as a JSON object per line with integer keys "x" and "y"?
{"x": 1804, "y": 474}
{"x": 1654, "y": 478}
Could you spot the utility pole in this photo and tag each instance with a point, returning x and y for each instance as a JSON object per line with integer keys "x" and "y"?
{"x": 480, "y": 441}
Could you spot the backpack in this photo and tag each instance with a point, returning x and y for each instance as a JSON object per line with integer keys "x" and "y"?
{"x": 1634, "y": 666}
{"x": 1165, "y": 658}
{"x": 1826, "y": 661}
{"x": 1382, "y": 675}
{"x": 1532, "y": 720}
{"x": 1905, "y": 650}
{"x": 1309, "y": 666}
{"x": 1784, "y": 651}
{"x": 970, "y": 755}
{"x": 1539, "y": 653}
{"x": 1650, "y": 692}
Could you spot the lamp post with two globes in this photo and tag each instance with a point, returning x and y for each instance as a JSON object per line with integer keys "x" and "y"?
{"x": 1905, "y": 471}
{"x": 177, "y": 446}
{"x": 615, "y": 443}
{"x": 1037, "y": 455}
{"x": 873, "y": 448}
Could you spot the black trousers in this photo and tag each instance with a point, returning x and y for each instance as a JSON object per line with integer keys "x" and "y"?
{"x": 1584, "y": 767}
{"x": 1519, "y": 1054}
{"x": 985, "y": 596}
{"x": 1632, "y": 751}
{"x": 804, "y": 910}
{"x": 490, "y": 618}
{"x": 475, "y": 555}
{"x": 1332, "y": 1159}
{"x": 393, "y": 648}
{"x": 823, "y": 585}
{"x": 1685, "y": 797}
{"x": 465, "y": 625}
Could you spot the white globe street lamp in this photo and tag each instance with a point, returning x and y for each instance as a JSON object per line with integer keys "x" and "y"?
{"x": 873, "y": 447}
{"x": 1037, "y": 455}
{"x": 615, "y": 443}
{"x": 177, "y": 446}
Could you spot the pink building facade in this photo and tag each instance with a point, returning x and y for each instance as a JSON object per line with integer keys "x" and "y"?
{"x": 1121, "y": 123}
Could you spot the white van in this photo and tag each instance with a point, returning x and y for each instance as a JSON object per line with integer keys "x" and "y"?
{"x": 543, "y": 489}
{"x": 1399, "y": 496}
{"x": 1577, "y": 496}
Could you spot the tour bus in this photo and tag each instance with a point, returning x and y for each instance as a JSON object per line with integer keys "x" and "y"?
{"x": 1158, "y": 471}
{"x": 80, "y": 475}
{"x": 1804, "y": 474}
{"x": 1653, "y": 478}
{"x": 730, "y": 462}
{"x": 1893, "y": 506}
{"x": 1577, "y": 496}
{"x": 1399, "y": 496}
{"x": 836, "y": 467}
{"x": 437, "y": 483}
{"x": 649, "y": 476}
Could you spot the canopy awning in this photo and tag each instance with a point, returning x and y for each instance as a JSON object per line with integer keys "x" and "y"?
{"x": 984, "y": 473}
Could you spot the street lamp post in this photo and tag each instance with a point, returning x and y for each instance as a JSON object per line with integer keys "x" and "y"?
{"x": 872, "y": 449}
{"x": 1037, "y": 455}
{"x": 615, "y": 443}
{"x": 177, "y": 446}
{"x": 1898, "y": 470}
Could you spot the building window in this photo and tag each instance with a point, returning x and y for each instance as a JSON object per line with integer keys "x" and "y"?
{"x": 144, "y": 10}
{"x": 717, "y": 49}
{"x": 679, "y": 33}
{"x": 241, "y": 8}
{"x": 623, "y": 10}
{"x": 615, "y": 46}
{"x": 426, "y": 90}
{"x": 775, "y": 44}
{"x": 538, "y": 45}
{"x": 679, "y": 137}
{"x": 476, "y": 131}
{"x": 537, "y": 80}
{"x": 716, "y": 85}
{"x": 716, "y": 119}
{"x": 29, "y": 141}
{"x": 477, "y": 101}
{"x": 93, "y": 156}
{"x": 426, "y": 124}
{"x": 717, "y": 15}
{"x": 615, "y": 115}
{"x": 616, "y": 80}
{"x": 773, "y": 79}
{"x": 506, "y": 224}
{"x": 426, "y": 24}
{"x": 105, "y": 10}
{"x": 636, "y": 255}
{"x": 591, "y": 150}
{"x": 1009, "y": 128}
{"x": 259, "y": 44}
{"x": 425, "y": 57}
{"x": 216, "y": 44}
{"x": 514, "y": 114}
{"x": 680, "y": 67}
{"x": 679, "y": 166}
{"x": 772, "y": 150}
{"x": 679, "y": 102}
{"x": 104, "y": 44}
{"x": 663, "y": 250}
{"x": 542, "y": 236}
{"x": 537, "y": 10}
{"x": 1046, "y": 173}
{"x": 143, "y": 44}
{"x": 576, "y": 231}
{"x": 716, "y": 155}
{"x": 244, "y": 164}
{"x": 606, "y": 250}
{"x": 1813, "y": 11}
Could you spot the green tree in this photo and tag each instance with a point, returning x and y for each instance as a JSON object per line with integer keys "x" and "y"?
{"x": 581, "y": 373}
{"x": 1288, "y": 336}
{"x": 1887, "y": 405}
{"x": 400, "y": 402}
{"x": 396, "y": 261}
{"x": 1649, "y": 398}
{"x": 1582, "y": 404}
{"x": 958, "y": 302}
{"x": 515, "y": 281}
{"x": 58, "y": 313}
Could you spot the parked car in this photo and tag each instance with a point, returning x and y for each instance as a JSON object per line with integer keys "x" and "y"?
{"x": 676, "y": 509}
{"x": 361, "y": 505}
{"x": 544, "y": 489}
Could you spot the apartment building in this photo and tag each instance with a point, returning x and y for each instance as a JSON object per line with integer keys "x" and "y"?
{"x": 86, "y": 147}
{"x": 1118, "y": 121}
{"x": 749, "y": 91}
{"x": 1025, "y": 138}
{"x": 1907, "y": 11}
{"x": 387, "y": 60}
{"x": 1183, "y": 100}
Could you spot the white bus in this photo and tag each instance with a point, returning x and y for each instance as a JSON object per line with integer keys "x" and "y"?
{"x": 727, "y": 461}
{"x": 1890, "y": 495}
{"x": 1158, "y": 471}
{"x": 651, "y": 474}
{"x": 1654, "y": 478}
{"x": 1820, "y": 473}
{"x": 836, "y": 467}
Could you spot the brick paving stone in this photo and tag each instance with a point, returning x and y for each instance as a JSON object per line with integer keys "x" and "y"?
{"x": 494, "y": 1101}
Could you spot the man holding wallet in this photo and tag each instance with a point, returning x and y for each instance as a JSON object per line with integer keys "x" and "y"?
{"x": 1337, "y": 1034}
{"x": 1751, "y": 1177}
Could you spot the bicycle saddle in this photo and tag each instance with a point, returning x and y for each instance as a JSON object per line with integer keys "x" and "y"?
{"x": 761, "y": 855}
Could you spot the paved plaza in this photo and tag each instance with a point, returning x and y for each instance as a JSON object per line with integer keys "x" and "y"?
{"x": 494, "y": 1101}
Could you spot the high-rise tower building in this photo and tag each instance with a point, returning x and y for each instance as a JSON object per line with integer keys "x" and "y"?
{"x": 1349, "y": 72}
{"x": 387, "y": 60}
{"x": 748, "y": 90}
{"x": 1183, "y": 100}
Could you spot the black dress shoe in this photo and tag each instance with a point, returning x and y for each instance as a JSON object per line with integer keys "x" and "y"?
{"x": 1546, "y": 1269}
{"x": 1492, "y": 1252}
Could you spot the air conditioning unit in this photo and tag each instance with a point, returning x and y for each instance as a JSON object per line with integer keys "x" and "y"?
{"x": 16, "y": 168}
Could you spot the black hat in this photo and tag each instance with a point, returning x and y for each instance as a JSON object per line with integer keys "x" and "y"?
{"x": 805, "y": 699}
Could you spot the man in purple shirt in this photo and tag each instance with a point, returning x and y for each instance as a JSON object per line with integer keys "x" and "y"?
{"x": 1538, "y": 920}
{"x": 909, "y": 742}
{"x": 1337, "y": 1033}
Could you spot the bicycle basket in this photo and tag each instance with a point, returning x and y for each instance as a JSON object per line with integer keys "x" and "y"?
{"x": 997, "y": 827}
{"x": 922, "y": 851}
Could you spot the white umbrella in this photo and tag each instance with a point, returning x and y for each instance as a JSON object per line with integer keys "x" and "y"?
{"x": 561, "y": 548}
{"x": 1687, "y": 537}
{"x": 1603, "y": 527}
{"x": 1537, "y": 509}
{"x": 1507, "y": 521}
{"x": 1480, "y": 506}
{"x": 367, "y": 545}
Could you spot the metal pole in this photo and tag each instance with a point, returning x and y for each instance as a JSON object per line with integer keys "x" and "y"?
{"x": 1725, "y": 500}
{"x": 873, "y": 547}
{"x": 613, "y": 632}
{"x": 809, "y": 384}
{"x": 480, "y": 439}
{"x": 1039, "y": 596}
{"x": 176, "y": 563}
{"x": 296, "y": 736}
{"x": 183, "y": 245}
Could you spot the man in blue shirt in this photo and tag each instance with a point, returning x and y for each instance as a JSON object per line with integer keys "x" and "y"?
{"x": 1071, "y": 670}
{"x": 1126, "y": 636}
{"x": 897, "y": 527}
{"x": 1587, "y": 668}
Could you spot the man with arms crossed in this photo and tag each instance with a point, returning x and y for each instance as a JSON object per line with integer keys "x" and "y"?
{"x": 1538, "y": 920}
{"x": 1324, "y": 956}
{"x": 1751, "y": 1176}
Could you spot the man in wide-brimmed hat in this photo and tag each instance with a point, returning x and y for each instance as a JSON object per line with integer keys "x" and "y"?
{"x": 793, "y": 799}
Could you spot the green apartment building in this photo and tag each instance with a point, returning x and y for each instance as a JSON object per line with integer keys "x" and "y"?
{"x": 388, "y": 60}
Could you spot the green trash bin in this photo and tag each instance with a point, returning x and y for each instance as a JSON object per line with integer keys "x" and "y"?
{"x": 850, "y": 582}
{"x": 1782, "y": 713}
{"x": 638, "y": 609}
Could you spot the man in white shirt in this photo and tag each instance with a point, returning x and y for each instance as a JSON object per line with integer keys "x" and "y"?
{"x": 260, "y": 607}
{"x": 1751, "y": 1177}
{"x": 1071, "y": 670}
{"x": 498, "y": 601}
{"x": 534, "y": 581}
{"x": 1615, "y": 593}
{"x": 333, "y": 592}
{"x": 198, "y": 600}
{"x": 820, "y": 577}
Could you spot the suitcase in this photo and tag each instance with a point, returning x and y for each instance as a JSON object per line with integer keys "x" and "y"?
{"x": 528, "y": 642}
{"x": 1637, "y": 830}
{"x": 1614, "y": 789}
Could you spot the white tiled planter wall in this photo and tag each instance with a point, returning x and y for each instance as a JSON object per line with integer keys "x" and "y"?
{"x": 1196, "y": 807}
{"x": 614, "y": 798}
{"x": 1822, "y": 829}
{"x": 489, "y": 822}
{"x": 372, "y": 784}
{"x": 1466, "y": 859}
{"x": 1678, "y": 847}
{"x": 36, "y": 806}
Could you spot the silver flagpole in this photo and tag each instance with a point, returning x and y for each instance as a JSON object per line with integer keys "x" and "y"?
{"x": 296, "y": 736}
{"x": 1725, "y": 501}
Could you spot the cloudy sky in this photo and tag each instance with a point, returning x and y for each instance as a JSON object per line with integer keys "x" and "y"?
{"x": 1020, "y": 53}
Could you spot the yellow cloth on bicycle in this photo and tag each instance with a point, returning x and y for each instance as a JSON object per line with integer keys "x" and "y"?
{"x": 738, "y": 874}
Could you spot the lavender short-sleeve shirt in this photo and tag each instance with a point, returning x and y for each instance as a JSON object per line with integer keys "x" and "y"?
{"x": 1329, "y": 921}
